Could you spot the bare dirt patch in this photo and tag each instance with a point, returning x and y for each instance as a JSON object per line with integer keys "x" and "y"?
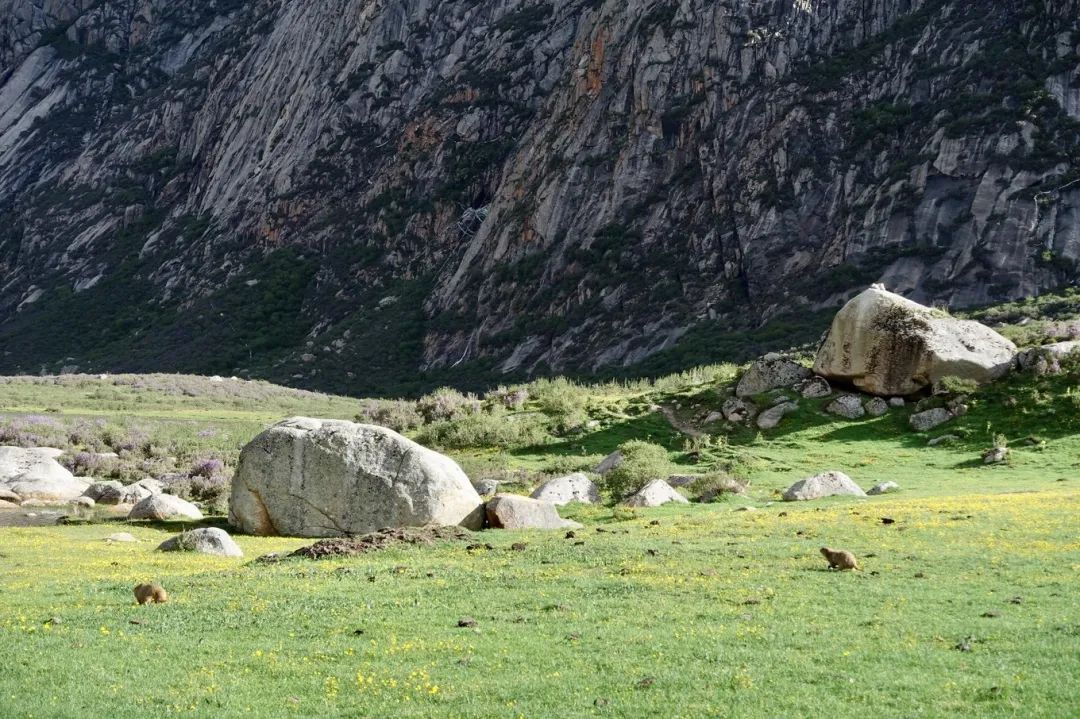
{"x": 380, "y": 540}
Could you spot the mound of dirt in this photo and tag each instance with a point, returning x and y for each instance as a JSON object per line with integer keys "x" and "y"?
{"x": 379, "y": 540}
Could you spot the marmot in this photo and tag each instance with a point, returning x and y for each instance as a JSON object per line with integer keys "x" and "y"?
{"x": 150, "y": 593}
{"x": 840, "y": 558}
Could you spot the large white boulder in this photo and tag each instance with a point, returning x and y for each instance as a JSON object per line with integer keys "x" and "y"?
{"x": 325, "y": 478}
{"x": 575, "y": 487}
{"x": 886, "y": 344}
{"x": 34, "y": 474}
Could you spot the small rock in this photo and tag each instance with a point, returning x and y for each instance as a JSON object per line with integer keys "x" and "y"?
{"x": 121, "y": 537}
{"x": 207, "y": 540}
{"x": 876, "y": 407}
{"x": 826, "y": 484}
{"x": 888, "y": 520}
{"x": 943, "y": 439}
{"x": 884, "y": 488}
{"x": 654, "y": 494}
{"x": 609, "y": 463}
{"x": 738, "y": 410}
{"x": 486, "y": 487}
{"x": 848, "y": 406}
{"x": 814, "y": 388}
{"x": 518, "y": 546}
{"x": 772, "y": 416}
{"x": 995, "y": 455}
{"x": 928, "y": 419}
{"x": 84, "y": 502}
{"x": 466, "y": 622}
{"x": 896, "y": 402}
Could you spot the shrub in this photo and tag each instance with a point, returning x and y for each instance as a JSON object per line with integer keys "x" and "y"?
{"x": 568, "y": 464}
{"x": 486, "y": 429}
{"x": 85, "y": 464}
{"x": 447, "y": 404}
{"x": 642, "y": 462}
{"x": 955, "y": 385}
{"x": 206, "y": 467}
{"x": 512, "y": 398}
{"x": 715, "y": 485}
{"x": 398, "y": 414}
{"x": 563, "y": 401}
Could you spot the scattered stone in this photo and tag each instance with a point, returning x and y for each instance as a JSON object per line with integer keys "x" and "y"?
{"x": 609, "y": 463}
{"x": 207, "y": 540}
{"x": 772, "y": 416}
{"x": 896, "y": 402}
{"x": 654, "y": 494}
{"x": 681, "y": 480}
{"x": 121, "y": 537}
{"x": 738, "y": 410}
{"x": 770, "y": 372}
{"x": 888, "y": 520}
{"x": 883, "y": 488}
{"x": 814, "y": 388}
{"x": 572, "y": 488}
{"x": 486, "y": 487}
{"x": 848, "y": 406}
{"x": 885, "y": 344}
{"x": 826, "y": 484}
{"x": 509, "y": 511}
{"x": 928, "y": 419}
{"x": 466, "y": 622}
{"x": 570, "y": 535}
{"x": 164, "y": 506}
{"x": 943, "y": 439}
{"x": 876, "y": 407}
{"x": 324, "y": 478}
{"x": 34, "y": 474}
{"x": 996, "y": 455}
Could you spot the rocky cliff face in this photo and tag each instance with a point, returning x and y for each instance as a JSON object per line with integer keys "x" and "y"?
{"x": 359, "y": 194}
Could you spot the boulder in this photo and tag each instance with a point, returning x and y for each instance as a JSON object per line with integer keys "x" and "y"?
{"x": 738, "y": 410}
{"x": 34, "y": 473}
{"x": 928, "y": 419}
{"x": 826, "y": 484}
{"x": 814, "y": 388}
{"x": 770, "y": 372}
{"x": 510, "y": 511}
{"x": 486, "y": 487}
{"x": 876, "y": 407}
{"x": 83, "y": 502}
{"x": 8, "y": 496}
{"x": 327, "y": 478}
{"x": 772, "y": 416}
{"x": 654, "y": 494}
{"x": 571, "y": 488}
{"x": 996, "y": 455}
{"x": 206, "y": 540}
{"x": 883, "y": 488}
{"x": 164, "y": 506}
{"x": 609, "y": 463}
{"x": 885, "y": 344}
{"x": 137, "y": 492}
{"x": 5, "y": 504}
{"x": 847, "y": 405}
{"x": 106, "y": 492}
{"x": 1046, "y": 359}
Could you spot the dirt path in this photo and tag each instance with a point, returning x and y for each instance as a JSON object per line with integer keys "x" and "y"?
{"x": 688, "y": 430}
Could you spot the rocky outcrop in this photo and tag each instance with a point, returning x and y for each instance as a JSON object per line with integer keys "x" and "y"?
{"x": 771, "y": 417}
{"x": 324, "y": 478}
{"x": 885, "y": 344}
{"x": 826, "y": 484}
{"x": 520, "y": 185}
{"x": 509, "y": 511}
{"x": 34, "y": 474}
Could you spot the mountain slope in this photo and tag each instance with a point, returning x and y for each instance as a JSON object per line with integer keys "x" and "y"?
{"x": 369, "y": 197}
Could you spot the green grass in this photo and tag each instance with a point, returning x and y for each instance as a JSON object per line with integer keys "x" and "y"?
{"x": 708, "y": 612}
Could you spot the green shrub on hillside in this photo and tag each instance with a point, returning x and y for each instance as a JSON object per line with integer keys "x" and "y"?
{"x": 495, "y": 428}
{"x": 642, "y": 463}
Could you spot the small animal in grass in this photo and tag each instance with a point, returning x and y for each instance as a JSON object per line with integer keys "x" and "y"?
{"x": 150, "y": 594}
{"x": 840, "y": 558}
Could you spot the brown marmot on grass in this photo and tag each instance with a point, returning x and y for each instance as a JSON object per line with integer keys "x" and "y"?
{"x": 840, "y": 558}
{"x": 150, "y": 593}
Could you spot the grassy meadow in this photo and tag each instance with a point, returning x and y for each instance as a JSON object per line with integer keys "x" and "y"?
{"x": 966, "y": 605}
